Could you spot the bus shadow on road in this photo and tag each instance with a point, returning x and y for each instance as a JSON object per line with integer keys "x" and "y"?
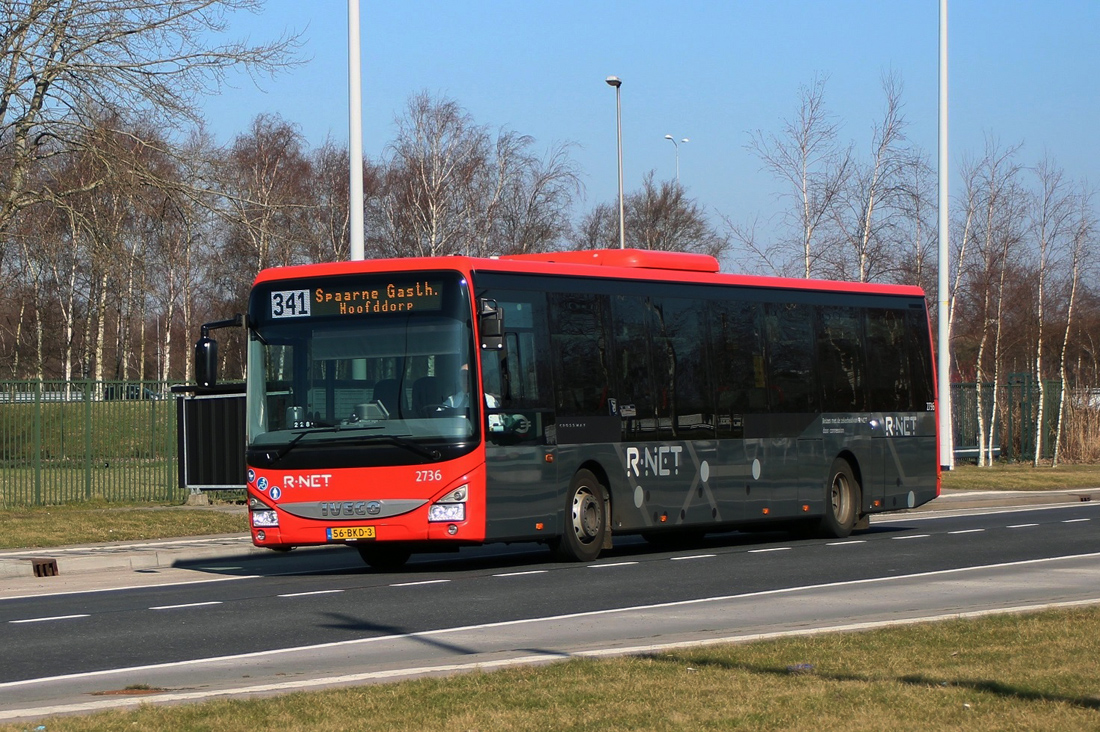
{"x": 344, "y": 560}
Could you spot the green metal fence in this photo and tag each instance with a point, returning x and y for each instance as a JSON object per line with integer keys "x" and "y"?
{"x": 80, "y": 440}
{"x": 1017, "y": 402}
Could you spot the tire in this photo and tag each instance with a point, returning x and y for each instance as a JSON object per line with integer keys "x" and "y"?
{"x": 384, "y": 557}
{"x": 842, "y": 501}
{"x": 585, "y": 520}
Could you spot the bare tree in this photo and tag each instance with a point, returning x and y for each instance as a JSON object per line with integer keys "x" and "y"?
{"x": 863, "y": 210}
{"x": 659, "y": 216}
{"x": 1081, "y": 246}
{"x": 451, "y": 187}
{"x": 434, "y": 159}
{"x": 535, "y": 199}
{"x": 63, "y": 60}
{"x": 1050, "y": 208}
{"x": 914, "y": 262}
{"x": 997, "y": 234}
{"x": 331, "y": 240}
{"x": 807, "y": 157}
{"x": 267, "y": 185}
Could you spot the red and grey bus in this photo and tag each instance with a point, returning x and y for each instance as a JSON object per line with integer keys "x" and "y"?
{"x": 422, "y": 405}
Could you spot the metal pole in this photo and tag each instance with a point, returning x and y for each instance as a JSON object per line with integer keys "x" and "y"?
{"x": 675, "y": 144}
{"x": 943, "y": 349}
{"x": 617, "y": 83}
{"x": 355, "y": 133}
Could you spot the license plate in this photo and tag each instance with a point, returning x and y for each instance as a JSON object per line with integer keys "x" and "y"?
{"x": 350, "y": 533}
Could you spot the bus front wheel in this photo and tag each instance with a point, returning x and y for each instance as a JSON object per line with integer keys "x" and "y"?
{"x": 842, "y": 500}
{"x": 585, "y": 520}
{"x": 384, "y": 557}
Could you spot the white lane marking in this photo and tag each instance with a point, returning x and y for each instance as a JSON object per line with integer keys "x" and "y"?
{"x": 45, "y": 620}
{"x": 611, "y": 564}
{"x": 546, "y": 619}
{"x": 773, "y": 549}
{"x": 522, "y": 574}
{"x": 1022, "y": 526}
{"x": 967, "y": 531}
{"x": 846, "y": 543}
{"x": 186, "y": 605}
{"x": 308, "y": 594}
{"x": 422, "y": 582}
{"x": 914, "y": 536}
{"x": 1074, "y": 521}
{"x": 693, "y": 556}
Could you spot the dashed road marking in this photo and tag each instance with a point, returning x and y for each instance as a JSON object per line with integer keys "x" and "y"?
{"x": 186, "y": 605}
{"x": 46, "y": 620}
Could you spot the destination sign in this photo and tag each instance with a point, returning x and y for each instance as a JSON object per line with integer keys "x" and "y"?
{"x": 377, "y": 299}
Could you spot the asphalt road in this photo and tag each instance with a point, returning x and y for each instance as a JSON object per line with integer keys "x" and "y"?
{"x": 316, "y": 619}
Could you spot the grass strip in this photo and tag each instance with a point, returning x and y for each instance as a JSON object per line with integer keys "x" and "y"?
{"x": 1029, "y": 671}
{"x": 87, "y": 523}
{"x": 1023, "y": 477}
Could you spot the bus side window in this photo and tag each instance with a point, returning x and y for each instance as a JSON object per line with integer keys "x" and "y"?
{"x": 920, "y": 359}
{"x": 737, "y": 357}
{"x": 579, "y": 352}
{"x": 790, "y": 357}
{"x": 887, "y": 361}
{"x": 840, "y": 362}
{"x": 681, "y": 370}
{"x": 519, "y": 377}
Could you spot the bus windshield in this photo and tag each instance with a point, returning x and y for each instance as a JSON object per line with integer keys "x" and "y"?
{"x": 374, "y": 360}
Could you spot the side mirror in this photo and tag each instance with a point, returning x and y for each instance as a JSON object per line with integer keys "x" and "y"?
{"x": 206, "y": 361}
{"x": 206, "y": 351}
{"x": 491, "y": 325}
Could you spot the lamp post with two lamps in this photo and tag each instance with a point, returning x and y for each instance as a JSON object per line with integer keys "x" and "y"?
{"x": 672, "y": 139}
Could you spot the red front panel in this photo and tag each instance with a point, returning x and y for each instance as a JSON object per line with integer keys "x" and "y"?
{"x": 311, "y": 502}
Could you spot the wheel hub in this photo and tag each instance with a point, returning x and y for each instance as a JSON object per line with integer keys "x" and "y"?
{"x": 586, "y": 515}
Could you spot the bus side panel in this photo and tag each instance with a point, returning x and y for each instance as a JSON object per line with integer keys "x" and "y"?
{"x": 667, "y": 484}
{"x": 714, "y": 483}
{"x": 736, "y": 480}
{"x": 909, "y": 445}
{"x": 811, "y": 461}
{"x": 522, "y": 493}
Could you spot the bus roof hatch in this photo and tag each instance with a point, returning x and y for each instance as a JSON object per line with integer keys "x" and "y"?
{"x": 635, "y": 258}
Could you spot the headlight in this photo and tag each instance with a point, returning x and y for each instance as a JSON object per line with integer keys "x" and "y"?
{"x": 447, "y": 512}
{"x": 458, "y": 495}
{"x": 255, "y": 504}
{"x": 265, "y": 518}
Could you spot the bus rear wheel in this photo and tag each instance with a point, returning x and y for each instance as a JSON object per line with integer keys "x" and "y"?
{"x": 384, "y": 557}
{"x": 585, "y": 520}
{"x": 842, "y": 500}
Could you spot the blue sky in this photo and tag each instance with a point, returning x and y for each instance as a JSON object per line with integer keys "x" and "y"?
{"x": 1023, "y": 71}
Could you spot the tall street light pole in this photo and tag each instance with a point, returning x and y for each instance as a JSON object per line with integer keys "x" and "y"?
{"x": 672, "y": 139}
{"x": 355, "y": 134}
{"x": 943, "y": 311}
{"x": 617, "y": 83}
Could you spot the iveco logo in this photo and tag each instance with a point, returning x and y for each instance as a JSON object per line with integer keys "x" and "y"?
{"x": 374, "y": 507}
{"x": 343, "y": 508}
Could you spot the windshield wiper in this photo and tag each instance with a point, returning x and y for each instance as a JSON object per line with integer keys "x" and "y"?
{"x": 399, "y": 440}
{"x": 282, "y": 451}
